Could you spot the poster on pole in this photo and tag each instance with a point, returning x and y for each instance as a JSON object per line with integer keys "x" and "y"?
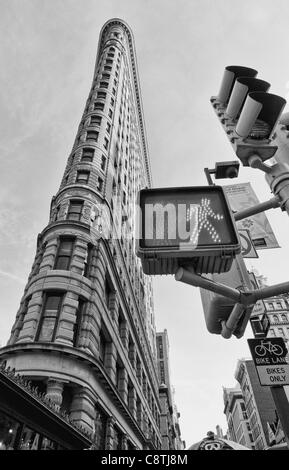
{"x": 241, "y": 196}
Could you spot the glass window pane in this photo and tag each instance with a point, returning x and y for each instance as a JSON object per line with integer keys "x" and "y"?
{"x": 47, "y": 444}
{"x": 8, "y": 431}
{"x": 63, "y": 262}
{"x": 29, "y": 439}
{"x": 47, "y": 329}
{"x": 73, "y": 216}
{"x": 65, "y": 247}
{"x": 52, "y": 302}
{"x": 76, "y": 207}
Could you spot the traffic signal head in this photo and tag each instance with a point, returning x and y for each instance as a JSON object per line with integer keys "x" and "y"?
{"x": 231, "y": 73}
{"x": 248, "y": 113}
{"x": 218, "y": 308}
{"x": 186, "y": 226}
{"x": 227, "y": 169}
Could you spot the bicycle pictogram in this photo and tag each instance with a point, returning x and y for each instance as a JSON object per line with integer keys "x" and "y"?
{"x": 267, "y": 346}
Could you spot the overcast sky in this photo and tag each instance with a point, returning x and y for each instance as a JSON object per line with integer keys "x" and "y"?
{"x": 47, "y": 55}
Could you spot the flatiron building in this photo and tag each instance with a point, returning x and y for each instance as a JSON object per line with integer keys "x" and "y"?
{"x": 84, "y": 333}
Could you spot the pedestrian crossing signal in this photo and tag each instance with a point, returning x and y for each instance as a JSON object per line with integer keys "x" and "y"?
{"x": 191, "y": 225}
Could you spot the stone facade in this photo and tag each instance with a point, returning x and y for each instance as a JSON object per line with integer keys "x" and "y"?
{"x": 84, "y": 332}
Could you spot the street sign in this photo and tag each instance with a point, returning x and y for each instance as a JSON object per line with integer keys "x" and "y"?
{"x": 191, "y": 225}
{"x": 269, "y": 356}
{"x": 248, "y": 249}
{"x": 260, "y": 326}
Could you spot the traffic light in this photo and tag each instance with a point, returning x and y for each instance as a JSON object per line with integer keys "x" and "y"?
{"x": 186, "y": 226}
{"x": 248, "y": 113}
{"x": 218, "y": 308}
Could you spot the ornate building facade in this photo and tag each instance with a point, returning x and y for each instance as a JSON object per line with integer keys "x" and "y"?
{"x": 84, "y": 333}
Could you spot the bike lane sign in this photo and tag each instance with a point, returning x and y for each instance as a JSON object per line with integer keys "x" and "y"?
{"x": 270, "y": 356}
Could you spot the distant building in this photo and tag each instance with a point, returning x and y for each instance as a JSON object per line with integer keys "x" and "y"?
{"x": 170, "y": 428}
{"x": 258, "y": 403}
{"x": 276, "y": 308}
{"x": 238, "y": 424}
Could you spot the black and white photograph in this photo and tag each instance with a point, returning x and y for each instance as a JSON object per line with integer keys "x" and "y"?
{"x": 144, "y": 287}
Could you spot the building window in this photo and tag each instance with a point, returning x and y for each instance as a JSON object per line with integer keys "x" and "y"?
{"x": 64, "y": 253}
{"x": 110, "y": 113}
{"x": 88, "y": 259}
{"x": 99, "y": 184}
{"x": 100, "y": 429}
{"x": 98, "y": 106}
{"x": 103, "y": 85}
{"x": 92, "y": 135}
{"x": 105, "y": 76}
{"x": 9, "y": 431}
{"x": 49, "y": 318}
{"x": 102, "y": 347}
{"x": 95, "y": 120}
{"x": 112, "y": 49}
{"x": 109, "y": 61}
{"x": 113, "y": 91}
{"x": 79, "y": 313}
{"x": 280, "y": 332}
{"x": 272, "y": 332}
{"x": 87, "y": 155}
{"x": 110, "y": 54}
{"x": 108, "y": 290}
{"x": 108, "y": 127}
{"x": 284, "y": 317}
{"x": 111, "y": 101}
{"x": 75, "y": 210}
{"x": 106, "y": 142}
{"x": 103, "y": 162}
{"x": 108, "y": 68}
{"x": 101, "y": 94}
{"x": 82, "y": 177}
{"x": 117, "y": 440}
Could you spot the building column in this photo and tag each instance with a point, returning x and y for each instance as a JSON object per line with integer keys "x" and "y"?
{"x": 124, "y": 442}
{"x": 110, "y": 360}
{"x": 145, "y": 425}
{"x": 123, "y": 384}
{"x": 113, "y": 306}
{"x": 139, "y": 414}
{"x": 54, "y": 390}
{"x": 89, "y": 331}
{"x": 65, "y": 330}
{"x": 144, "y": 385}
{"x": 82, "y": 410}
{"x": 132, "y": 355}
{"x": 109, "y": 433}
{"x": 48, "y": 258}
{"x": 31, "y": 318}
{"x": 139, "y": 373}
{"x": 124, "y": 334}
{"x": 132, "y": 401}
{"x": 78, "y": 256}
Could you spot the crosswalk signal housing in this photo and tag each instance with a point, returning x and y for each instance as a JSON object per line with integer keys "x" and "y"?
{"x": 190, "y": 226}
